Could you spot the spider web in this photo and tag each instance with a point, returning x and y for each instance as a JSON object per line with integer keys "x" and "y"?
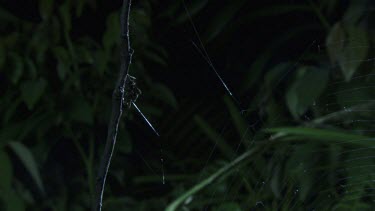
{"x": 292, "y": 170}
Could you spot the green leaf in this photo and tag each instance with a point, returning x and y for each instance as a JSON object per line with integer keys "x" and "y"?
{"x": 31, "y": 91}
{"x": 6, "y": 170}
{"x": 261, "y": 62}
{"x": 348, "y": 46}
{"x": 45, "y": 8}
{"x": 305, "y": 89}
{"x": 304, "y": 133}
{"x": 27, "y": 159}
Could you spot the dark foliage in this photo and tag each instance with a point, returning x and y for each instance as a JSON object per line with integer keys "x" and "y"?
{"x": 297, "y": 133}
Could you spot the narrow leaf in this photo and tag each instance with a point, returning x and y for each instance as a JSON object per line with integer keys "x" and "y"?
{"x": 328, "y": 136}
{"x": 27, "y": 159}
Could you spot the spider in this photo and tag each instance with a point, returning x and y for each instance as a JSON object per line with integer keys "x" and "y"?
{"x": 131, "y": 95}
{"x": 132, "y": 92}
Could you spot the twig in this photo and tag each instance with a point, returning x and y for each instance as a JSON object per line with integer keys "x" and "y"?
{"x": 117, "y": 107}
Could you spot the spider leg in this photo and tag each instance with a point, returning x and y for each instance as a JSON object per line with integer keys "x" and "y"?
{"x": 144, "y": 117}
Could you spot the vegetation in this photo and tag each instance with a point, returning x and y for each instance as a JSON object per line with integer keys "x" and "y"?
{"x": 260, "y": 105}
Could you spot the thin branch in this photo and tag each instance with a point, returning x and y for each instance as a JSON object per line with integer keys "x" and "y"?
{"x": 117, "y": 107}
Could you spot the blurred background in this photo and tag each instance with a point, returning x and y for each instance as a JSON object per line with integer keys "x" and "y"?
{"x": 293, "y": 131}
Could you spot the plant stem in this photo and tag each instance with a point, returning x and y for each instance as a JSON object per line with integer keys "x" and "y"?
{"x": 117, "y": 107}
{"x": 220, "y": 174}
